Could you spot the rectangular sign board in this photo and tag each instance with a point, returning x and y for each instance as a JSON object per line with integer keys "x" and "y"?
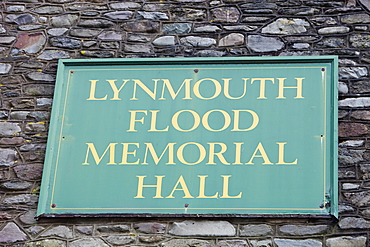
{"x": 174, "y": 136}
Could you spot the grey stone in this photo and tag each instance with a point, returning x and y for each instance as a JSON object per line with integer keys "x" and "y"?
{"x": 44, "y": 102}
{"x": 29, "y": 217}
{"x": 301, "y": 46}
{"x": 346, "y": 241}
{"x": 16, "y": 185}
{"x": 119, "y": 15}
{"x": 30, "y": 43}
{"x": 297, "y": 243}
{"x": 299, "y": 11}
{"x": 11, "y": 234}
{"x": 57, "y": 31}
{"x": 140, "y": 48}
{"x": 358, "y": 198}
{"x": 165, "y": 40}
{"x": 349, "y": 157}
{"x": 297, "y": 230}
{"x": 38, "y": 90}
{"x": 360, "y": 87}
{"x": 120, "y": 240}
{"x": 259, "y": 43}
{"x": 210, "y": 53}
{"x": 349, "y": 186}
{"x": 87, "y": 230}
{"x": 261, "y": 243}
{"x": 286, "y": 26}
{"x": 225, "y": 14}
{"x": 151, "y": 228}
{"x": 35, "y": 127}
{"x": 64, "y": 20}
{"x": 186, "y": 243}
{"x": 366, "y": 3}
{"x": 345, "y": 209}
{"x": 83, "y": 33}
{"x": 178, "y": 28}
{"x": 255, "y": 19}
{"x": 255, "y": 230}
{"x": 352, "y": 72}
{"x": 355, "y": 18}
{"x": 40, "y": 76}
{"x": 333, "y": 30}
{"x": 20, "y": 19}
{"x": 124, "y": 5}
{"x": 15, "y": 8}
{"x": 29, "y": 172}
{"x": 5, "y": 68}
{"x": 34, "y": 230}
{"x": 187, "y": 14}
{"x": 29, "y": 27}
{"x": 142, "y": 26}
{"x": 100, "y": 54}
{"x": 332, "y": 43}
{"x": 23, "y": 199}
{"x": 346, "y": 173}
{"x": 58, "y": 231}
{"x": 151, "y": 15}
{"x": 138, "y": 38}
{"x": 360, "y": 41}
{"x": 2, "y": 29}
{"x": 202, "y": 228}
{"x": 365, "y": 171}
{"x": 95, "y": 23}
{"x": 233, "y": 243}
{"x": 64, "y": 42}
{"x": 207, "y": 29}
{"x": 110, "y": 35}
{"x": 46, "y": 243}
{"x": 353, "y": 223}
{"x": 88, "y": 43}
{"x": 355, "y": 102}
{"x": 360, "y": 28}
{"x": 7, "y": 157}
{"x": 7, "y": 39}
{"x": 245, "y": 28}
{"x": 90, "y": 242}
{"x": 53, "y": 54}
{"x": 196, "y": 41}
{"x": 49, "y": 10}
{"x": 352, "y": 143}
{"x": 233, "y": 39}
{"x": 113, "y": 229}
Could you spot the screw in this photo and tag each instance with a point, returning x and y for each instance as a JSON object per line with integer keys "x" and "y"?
{"x": 321, "y": 206}
{"x": 196, "y": 70}
{"x": 186, "y": 205}
{"x": 72, "y": 72}
{"x": 323, "y": 69}
{"x": 53, "y": 205}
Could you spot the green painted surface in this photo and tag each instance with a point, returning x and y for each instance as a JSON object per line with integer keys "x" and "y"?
{"x": 208, "y": 135}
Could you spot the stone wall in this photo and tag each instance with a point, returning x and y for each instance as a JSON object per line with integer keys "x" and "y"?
{"x": 34, "y": 34}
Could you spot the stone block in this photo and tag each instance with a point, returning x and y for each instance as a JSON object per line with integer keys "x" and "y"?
{"x": 39, "y": 89}
{"x": 11, "y": 233}
{"x": 120, "y": 240}
{"x": 233, "y": 39}
{"x": 196, "y": 41}
{"x": 16, "y": 185}
{"x": 255, "y": 230}
{"x": 7, "y": 157}
{"x": 164, "y": 40}
{"x": 202, "y": 228}
{"x": 53, "y": 55}
{"x": 355, "y": 18}
{"x": 349, "y": 156}
{"x": 352, "y": 129}
{"x": 5, "y": 68}
{"x": 186, "y": 243}
{"x": 113, "y": 229}
{"x": 225, "y": 14}
{"x": 353, "y": 223}
{"x": 346, "y": 241}
{"x": 46, "y": 243}
{"x": 258, "y": 43}
{"x": 151, "y": 228}
{"x": 90, "y": 242}
{"x": 8, "y": 128}
{"x": 297, "y": 243}
{"x": 333, "y": 30}
{"x": 29, "y": 171}
{"x": 233, "y": 243}
{"x": 177, "y": 28}
{"x": 287, "y": 26}
{"x": 64, "y": 20}
{"x": 151, "y": 15}
{"x": 119, "y": 15}
{"x": 142, "y": 26}
{"x": 359, "y": 199}
{"x": 58, "y": 231}
{"x": 23, "y": 199}
{"x": 299, "y": 230}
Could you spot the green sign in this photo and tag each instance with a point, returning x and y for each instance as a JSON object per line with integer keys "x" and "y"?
{"x": 193, "y": 136}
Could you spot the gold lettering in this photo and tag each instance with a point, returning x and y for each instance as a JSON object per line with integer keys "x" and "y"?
{"x": 141, "y": 185}
{"x": 226, "y": 88}
{"x": 167, "y": 83}
{"x": 262, "y": 85}
{"x": 180, "y": 153}
{"x": 219, "y": 154}
{"x": 238, "y": 153}
{"x": 125, "y": 153}
{"x": 175, "y": 123}
{"x": 236, "y": 120}
{"x": 92, "y": 91}
{"x": 202, "y": 185}
{"x": 217, "y": 88}
{"x": 170, "y": 147}
{"x": 153, "y": 122}
{"x": 225, "y": 188}
{"x": 227, "y": 120}
{"x": 262, "y": 155}
{"x": 115, "y": 89}
{"x": 184, "y": 188}
{"x": 298, "y": 87}
{"x": 91, "y": 147}
{"x": 139, "y": 83}
{"x": 133, "y": 119}
{"x": 281, "y": 155}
